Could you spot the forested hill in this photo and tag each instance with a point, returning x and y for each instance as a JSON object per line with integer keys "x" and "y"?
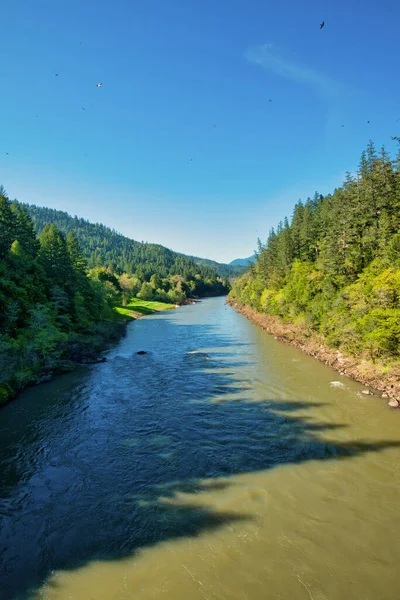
{"x": 104, "y": 247}
{"x": 222, "y": 269}
{"x": 334, "y": 267}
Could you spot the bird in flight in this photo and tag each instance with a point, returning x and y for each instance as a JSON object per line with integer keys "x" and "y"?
{"x": 56, "y": 74}
{"x": 214, "y": 125}
{"x": 342, "y": 125}
{"x": 83, "y": 108}
{"x": 368, "y": 121}
{"x": 99, "y": 84}
{"x": 322, "y": 25}
{"x": 7, "y": 153}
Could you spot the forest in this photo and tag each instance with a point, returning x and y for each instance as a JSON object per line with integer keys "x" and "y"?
{"x": 102, "y": 246}
{"x": 57, "y": 308}
{"x": 334, "y": 266}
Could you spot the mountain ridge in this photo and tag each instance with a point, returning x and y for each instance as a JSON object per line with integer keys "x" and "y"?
{"x": 242, "y": 262}
{"x": 104, "y": 246}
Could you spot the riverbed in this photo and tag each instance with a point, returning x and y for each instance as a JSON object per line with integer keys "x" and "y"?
{"x": 220, "y": 465}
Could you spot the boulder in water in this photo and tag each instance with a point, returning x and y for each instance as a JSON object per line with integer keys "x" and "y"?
{"x": 393, "y": 403}
{"x": 142, "y": 352}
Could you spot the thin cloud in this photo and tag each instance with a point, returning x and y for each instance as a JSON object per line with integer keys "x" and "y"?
{"x": 267, "y": 57}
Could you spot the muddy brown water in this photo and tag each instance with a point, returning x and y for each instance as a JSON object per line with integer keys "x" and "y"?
{"x": 221, "y": 465}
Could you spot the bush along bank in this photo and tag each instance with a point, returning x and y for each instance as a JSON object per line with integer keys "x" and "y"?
{"x": 328, "y": 279}
{"x": 53, "y": 313}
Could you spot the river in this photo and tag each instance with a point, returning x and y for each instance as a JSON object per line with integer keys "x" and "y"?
{"x": 221, "y": 465}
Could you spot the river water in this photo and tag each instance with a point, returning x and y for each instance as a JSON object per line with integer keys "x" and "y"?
{"x": 221, "y": 465}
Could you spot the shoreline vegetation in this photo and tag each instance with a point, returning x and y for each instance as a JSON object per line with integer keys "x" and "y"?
{"x": 57, "y": 312}
{"x": 376, "y": 377}
{"x": 328, "y": 279}
{"x": 136, "y": 308}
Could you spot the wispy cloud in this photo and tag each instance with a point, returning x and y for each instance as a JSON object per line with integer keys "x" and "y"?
{"x": 268, "y": 57}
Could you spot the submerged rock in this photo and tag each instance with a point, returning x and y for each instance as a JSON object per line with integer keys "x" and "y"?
{"x": 338, "y": 384}
{"x": 366, "y": 392}
{"x": 96, "y": 361}
{"x": 142, "y": 352}
{"x": 44, "y": 378}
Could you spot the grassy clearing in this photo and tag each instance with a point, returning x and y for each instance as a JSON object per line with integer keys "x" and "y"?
{"x": 139, "y": 308}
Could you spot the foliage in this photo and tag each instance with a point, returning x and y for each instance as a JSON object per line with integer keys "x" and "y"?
{"x": 51, "y": 313}
{"x": 104, "y": 247}
{"x": 137, "y": 307}
{"x": 61, "y": 291}
{"x": 335, "y": 267}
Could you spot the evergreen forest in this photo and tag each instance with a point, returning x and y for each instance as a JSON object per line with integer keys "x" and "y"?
{"x": 334, "y": 266}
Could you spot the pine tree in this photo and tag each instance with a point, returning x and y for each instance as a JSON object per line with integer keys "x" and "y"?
{"x": 54, "y": 258}
{"x": 7, "y": 226}
{"x": 25, "y": 231}
{"x": 296, "y": 226}
{"x": 76, "y": 257}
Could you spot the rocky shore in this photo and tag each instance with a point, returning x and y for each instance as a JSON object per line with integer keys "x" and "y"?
{"x": 375, "y": 376}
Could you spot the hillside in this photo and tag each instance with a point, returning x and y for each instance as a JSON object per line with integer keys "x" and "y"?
{"x": 242, "y": 262}
{"x": 104, "y": 247}
{"x": 222, "y": 269}
{"x": 332, "y": 272}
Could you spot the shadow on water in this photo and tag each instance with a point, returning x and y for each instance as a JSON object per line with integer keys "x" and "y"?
{"x": 90, "y": 483}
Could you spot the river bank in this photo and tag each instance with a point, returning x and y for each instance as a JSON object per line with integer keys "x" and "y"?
{"x": 82, "y": 349}
{"x": 374, "y": 375}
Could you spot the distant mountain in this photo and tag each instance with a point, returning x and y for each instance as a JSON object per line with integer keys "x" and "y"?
{"x": 242, "y": 262}
{"x": 222, "y": 269}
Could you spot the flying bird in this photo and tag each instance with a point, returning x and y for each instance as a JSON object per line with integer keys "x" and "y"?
{"x": 342, "y": 125}
{"x": 214, "y": 125}
{"x": 56, "y": 74}
{"x": 368, "y": 121}
{"x": 322, "y": 25}
{"x": 83, "y": 108}
{"x": 99, "y": 84}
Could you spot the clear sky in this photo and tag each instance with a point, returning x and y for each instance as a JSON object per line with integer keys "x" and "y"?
{"x": 144, "y": 156}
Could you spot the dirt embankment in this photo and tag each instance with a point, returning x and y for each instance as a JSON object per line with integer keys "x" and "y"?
{"x": 372, "y": 374}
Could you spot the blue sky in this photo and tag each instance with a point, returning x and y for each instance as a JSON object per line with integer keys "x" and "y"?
{"x": 144, "y": 157}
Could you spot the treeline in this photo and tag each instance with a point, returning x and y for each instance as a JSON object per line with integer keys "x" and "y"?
{"x": 104, "y": 247}
{"x": 53, "y": 313}
{"x": 334, "y": 267}
{"x": 224, "y": 270}
{"x": 57, "y": 307}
